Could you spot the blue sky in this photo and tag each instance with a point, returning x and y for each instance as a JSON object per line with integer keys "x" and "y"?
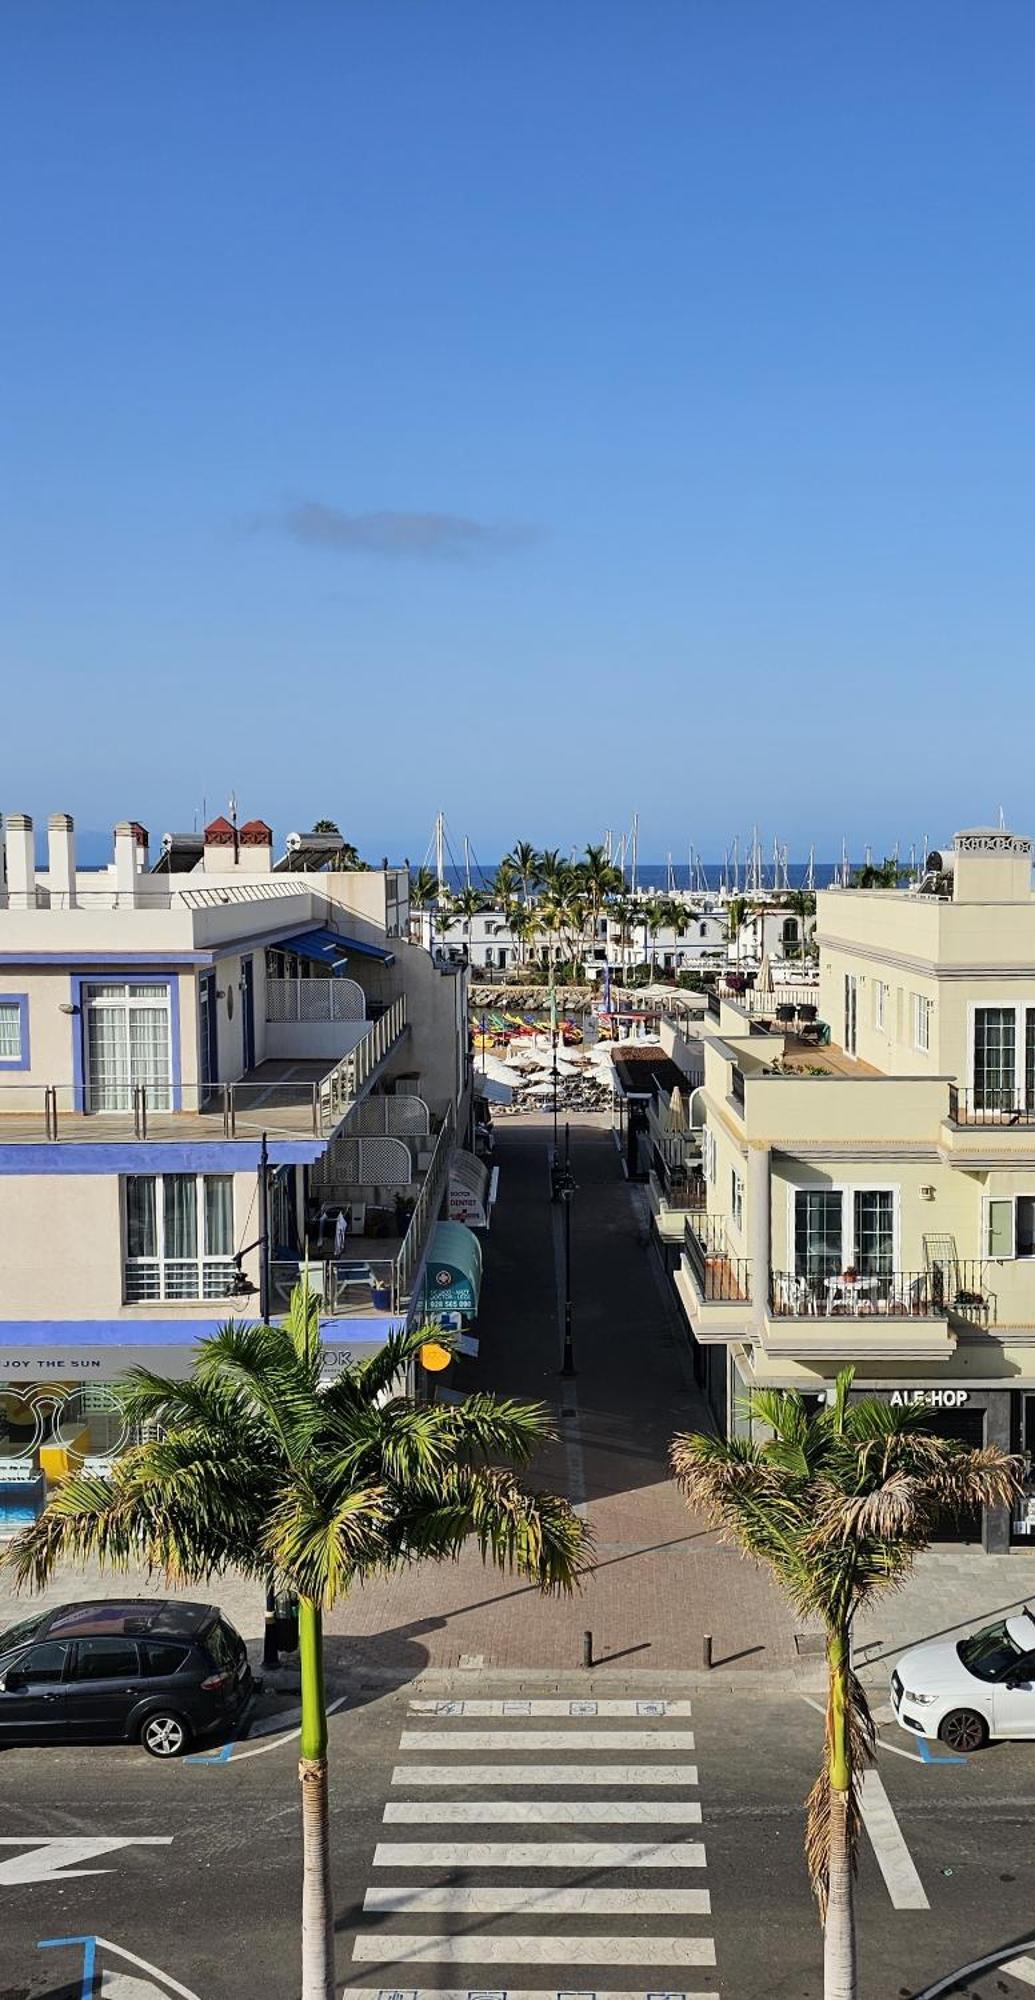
{"x": 542, "y": 411}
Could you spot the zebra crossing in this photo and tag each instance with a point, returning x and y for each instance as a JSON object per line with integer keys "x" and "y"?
{"x": 602, "y": 1824}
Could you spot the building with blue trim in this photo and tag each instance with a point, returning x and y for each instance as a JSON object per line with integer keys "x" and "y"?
{"x": 164, "y": 1031}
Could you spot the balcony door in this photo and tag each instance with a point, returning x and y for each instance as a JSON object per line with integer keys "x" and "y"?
{"x": 127, "y": 1042}
{"x": 837, "y": 1229}
{"x": 851, "y": 1013}
{"x": 995, "y": 1058}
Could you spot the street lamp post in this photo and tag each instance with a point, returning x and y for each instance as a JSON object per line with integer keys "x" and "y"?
{"x": 270, "y": 1651}
{"x": 566, "y": 1189}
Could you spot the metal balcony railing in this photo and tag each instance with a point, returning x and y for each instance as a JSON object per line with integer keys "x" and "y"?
{"x": 281, "y": 1105}
{"x": 932, "y": 1294}
{"x": 720, "y": 1277}
{"x": 426, "y": 1208}
{"x": 315, "y": 1000}
{"x": 987, "y": 1105}
{"x": 737, "y": 1085}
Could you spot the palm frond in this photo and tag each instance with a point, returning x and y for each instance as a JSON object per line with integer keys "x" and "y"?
{"x": 537, "y": 1535}
{"x": 320, "y": 1543}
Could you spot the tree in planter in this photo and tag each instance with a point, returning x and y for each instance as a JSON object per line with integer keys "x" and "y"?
{"x": 838, "y": 1506}
{"x": 263, "y": 1464}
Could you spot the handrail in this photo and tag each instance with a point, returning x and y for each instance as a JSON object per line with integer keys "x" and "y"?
{"x": 343, "y": 1084}
{"x": 425, "y": 1208}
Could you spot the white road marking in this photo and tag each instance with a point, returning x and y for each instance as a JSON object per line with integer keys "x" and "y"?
{"x": 541, "y": 1901}
{"x": 581, "y": 1708}
{"x": 580, "y": 1854}
{"x": 168, "y": 1985}
{"x": 546, "y": 1739}
{"x": 238, "y": 1755}
{"x": 513, "y": 1993}
{"x": 45, "y": 1857}
{"x": 545, "y": 1774}
{"x": 893, "y": 1857}
{"x": 895, "y": 1749}
{"x": 468, "y": 1948}
{"x": 1022, "y": 1969}
{"x": 544, "y": 1812}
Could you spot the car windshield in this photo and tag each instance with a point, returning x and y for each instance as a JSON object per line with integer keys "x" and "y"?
{"x": 17, "y": 1634}
{"x": 989, "y": 1653}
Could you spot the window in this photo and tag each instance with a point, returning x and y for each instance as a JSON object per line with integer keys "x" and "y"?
{"x": 818, "y": 1234}
{"x": 880, "y": 1006}
{"x": 851, "y": 1012}
{"x": 163, "y": 1658}
{"x": 737, "y": 1199}
{"x": 1009, "y": 1226}
{"x": 128, "y": 1046}
{"x": 105, "y": 1660}
{"x": 14, "y": 1031}
{"x": 921, "y": 1022}
{"x": 837, "y": 1229}
{"x": 179, "y": 1236}
{"x": 39, "y": 1665}
{"x": 708, "y": 1156}
{"x": 995, "y": 1058}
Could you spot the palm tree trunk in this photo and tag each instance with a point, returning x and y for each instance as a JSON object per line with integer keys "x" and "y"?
{"x": 317, "y": 1918}
{"x": 840, "y": 1971}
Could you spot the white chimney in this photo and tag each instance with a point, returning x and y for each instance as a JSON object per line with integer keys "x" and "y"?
{"x": 61, "y": 861}
{"x": 21, "y": 862}
{"x": 125, "y": 864}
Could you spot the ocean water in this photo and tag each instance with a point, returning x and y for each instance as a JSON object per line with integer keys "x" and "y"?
{"x": 655, "y": 874}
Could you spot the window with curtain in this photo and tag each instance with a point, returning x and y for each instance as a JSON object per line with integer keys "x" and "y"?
{"x": 995, "y": 1058}
{"x": 874, "y": 1247}
{"x": 179, "y": 1236}
{"x": 10, "y": 1031}
{"x": 128, "y": 1044}
{"x": 1029, "y": 1059}
{"x": 818, "y": 1233}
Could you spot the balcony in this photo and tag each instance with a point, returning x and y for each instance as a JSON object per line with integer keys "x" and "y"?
{"x": 375, "y": 1275}
{"x": 298, "y": 1099}
{"x": 897, "y": 1314}
{"x": 991, "y": 1107}
{"x": 720, "y": 1277}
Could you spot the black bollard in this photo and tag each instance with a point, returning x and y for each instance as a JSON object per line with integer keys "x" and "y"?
{"x": 587, "y": 1649}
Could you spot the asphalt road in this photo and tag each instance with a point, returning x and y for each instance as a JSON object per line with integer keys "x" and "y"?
{"x": 203, "y": 1893}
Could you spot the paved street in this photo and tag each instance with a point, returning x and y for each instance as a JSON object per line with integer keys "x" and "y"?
{"x": 489, "y": 1841}
{"x": 519, "y": 1840}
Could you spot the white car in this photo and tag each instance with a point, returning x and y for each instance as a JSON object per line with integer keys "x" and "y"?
{"x": 964, "y": 1691}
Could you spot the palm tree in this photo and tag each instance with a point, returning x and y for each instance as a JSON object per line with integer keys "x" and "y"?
{"x": 261, "y": 1462}
{"x": 423, "y": 888}
{"x": 736, "y": 913}
{"x": 468, "y": 902}
{"x": 600, "y": 879}
{"x": 524, "y": 924}
{"x": 837, "y": 1505}
{"x": 505, "y": 882}
{"x": 525, "y": 860}
{"x": 886, "y": 874}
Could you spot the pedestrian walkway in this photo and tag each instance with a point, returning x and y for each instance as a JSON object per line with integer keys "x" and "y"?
{"x": 517, "y": 1882}
{"x": 661, "y": 1579}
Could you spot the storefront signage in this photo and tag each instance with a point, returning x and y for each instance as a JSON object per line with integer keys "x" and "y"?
{"x": 930, "y": 1399}
{"x": 17, "y": 1470}
{"x": 992, "y": 843}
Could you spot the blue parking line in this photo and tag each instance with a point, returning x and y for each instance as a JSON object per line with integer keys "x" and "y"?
{"x": 927, "y": 1755}
{"x": 89, "y": 1945}
{"x": 222, "y": 1756}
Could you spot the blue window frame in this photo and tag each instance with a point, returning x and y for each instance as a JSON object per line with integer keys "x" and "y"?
{"x": 14, "y": 1031}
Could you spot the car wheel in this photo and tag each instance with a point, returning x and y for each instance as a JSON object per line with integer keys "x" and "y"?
{"x": 964, "y": 1730}
{"x": 165, "y": 1735}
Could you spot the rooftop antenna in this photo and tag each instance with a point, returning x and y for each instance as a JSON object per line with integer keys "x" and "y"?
{"x": 1002, "y": 820}
{"x": 232, "y": 802}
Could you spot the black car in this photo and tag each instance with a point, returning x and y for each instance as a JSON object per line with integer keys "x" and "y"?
{"x": 123, "y": 1670}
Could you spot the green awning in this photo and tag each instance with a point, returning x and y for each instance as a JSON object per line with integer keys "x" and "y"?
{"x": 453, "y": 1272}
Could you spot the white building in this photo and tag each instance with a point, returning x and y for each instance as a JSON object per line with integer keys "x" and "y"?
{"x": 158, "y": 1030}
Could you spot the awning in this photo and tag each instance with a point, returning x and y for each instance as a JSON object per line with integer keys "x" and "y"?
{"x": 327, "y": 947}
{"x": 472, "y": 1189}
{"x": 453, "y": 1273}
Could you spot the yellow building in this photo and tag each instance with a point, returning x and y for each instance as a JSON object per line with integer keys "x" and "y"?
{"x": 867, "y": 1192}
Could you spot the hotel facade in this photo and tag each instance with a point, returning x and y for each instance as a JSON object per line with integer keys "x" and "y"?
{"x": 861, "y": 1189}
{"x": 212, "y": 1070}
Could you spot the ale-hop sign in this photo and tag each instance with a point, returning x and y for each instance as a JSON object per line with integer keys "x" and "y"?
{"x": 930, "y": 1399}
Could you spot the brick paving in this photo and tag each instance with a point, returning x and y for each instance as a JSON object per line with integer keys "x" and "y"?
{"x": 661, "y": 1580}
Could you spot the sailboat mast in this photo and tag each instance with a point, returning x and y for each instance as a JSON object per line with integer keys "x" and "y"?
{"x": 467, "y": 861}
{"x": 635, "y": 844}
{"x": 440, "y": 851}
